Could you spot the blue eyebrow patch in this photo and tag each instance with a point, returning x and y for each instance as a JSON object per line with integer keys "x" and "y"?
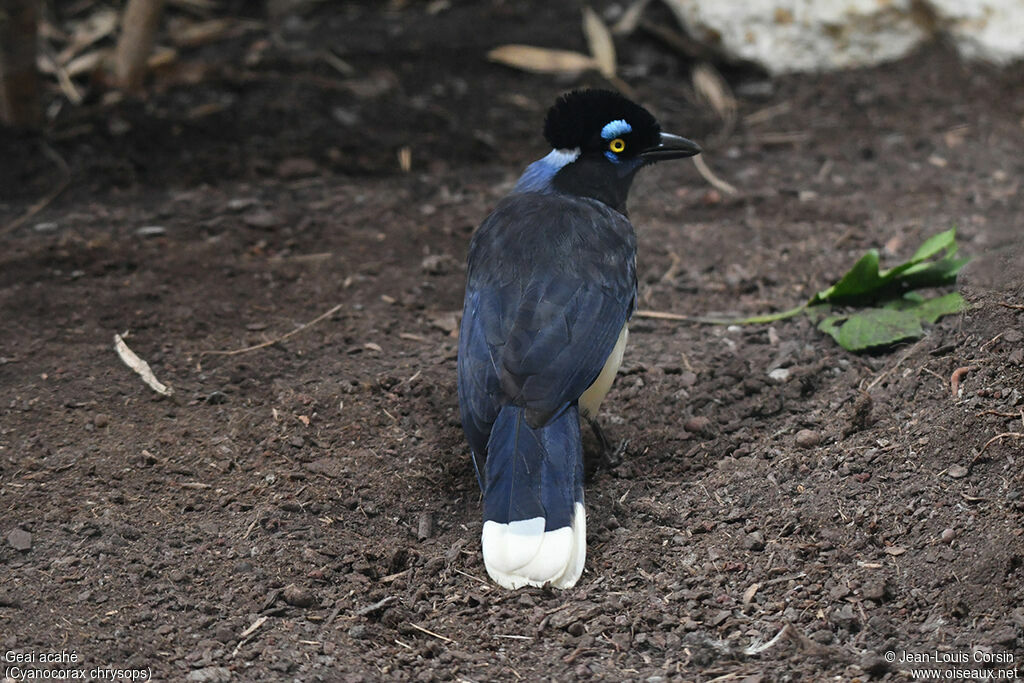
{"x": 615, "y": 128}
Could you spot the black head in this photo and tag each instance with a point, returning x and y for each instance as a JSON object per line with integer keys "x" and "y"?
{"x": 615, "y": 137}
{"x": 589, "y": 120}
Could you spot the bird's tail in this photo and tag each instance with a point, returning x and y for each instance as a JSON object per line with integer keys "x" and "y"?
{"x": 534, "y": 521}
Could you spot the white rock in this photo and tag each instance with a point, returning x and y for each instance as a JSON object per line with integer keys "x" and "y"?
{"x": 822, "y": 35}
{"x": 992, "y": 30}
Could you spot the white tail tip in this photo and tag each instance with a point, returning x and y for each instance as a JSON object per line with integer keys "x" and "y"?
{"x": 521, "y": 553}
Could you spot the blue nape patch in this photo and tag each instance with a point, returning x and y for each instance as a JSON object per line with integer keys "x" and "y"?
{"x": 538, "y": 175}
{"x": 614, "y": 129}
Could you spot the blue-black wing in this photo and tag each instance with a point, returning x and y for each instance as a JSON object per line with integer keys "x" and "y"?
{"x": 551, "y": 282}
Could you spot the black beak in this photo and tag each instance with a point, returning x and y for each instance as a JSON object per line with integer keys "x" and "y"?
{"x": 670, "y": 147}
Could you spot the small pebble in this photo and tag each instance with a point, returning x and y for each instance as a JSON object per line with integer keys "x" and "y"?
{"x": 151, "y": 231}
{"x": 698, "y": 424}
{"x": 177, "y": 576}
{"x": 754, "y": 541}
{"x": 260, "y": 218}
{"x": 20, "y": 539}
{"x": 874, "y": 590}
{"x": 779, "y": 374}
{"x": 240, "y": 203}
{"x": 438, "y": 264}
{"x": 296, "y": 167}
{"x": 425, "y": 526}
{"x": 957, "y": 471}
{"x": 823, "y": 636}
{"x": 214, "y": 399}
{"x": 209, "y": 674}
{"x": 297, "y": 596}
{"x": 807, "y": 438}
{"x": 1012, "y": 335}
{"x": 100, "y": 420}
{"x": 948, "y": 535}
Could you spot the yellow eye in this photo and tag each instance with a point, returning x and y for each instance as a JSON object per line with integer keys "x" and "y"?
{"x": 617, "y": 145}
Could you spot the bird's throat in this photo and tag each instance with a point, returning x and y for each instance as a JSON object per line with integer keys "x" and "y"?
{"x": 597, "y": 179}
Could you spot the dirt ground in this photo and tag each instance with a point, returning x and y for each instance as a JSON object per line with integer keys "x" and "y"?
{"x": 308, "y": 511}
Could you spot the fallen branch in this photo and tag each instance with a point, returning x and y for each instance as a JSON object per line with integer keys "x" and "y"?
{"x": 271, "y": 342}
{"x": 141, "y": 367}
{"x": 138, "y": 33}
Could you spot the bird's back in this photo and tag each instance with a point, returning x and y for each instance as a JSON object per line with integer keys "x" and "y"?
{"x": 551, "y": 281}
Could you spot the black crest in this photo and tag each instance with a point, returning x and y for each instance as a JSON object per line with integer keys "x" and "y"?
{"x": 577, "y": 118}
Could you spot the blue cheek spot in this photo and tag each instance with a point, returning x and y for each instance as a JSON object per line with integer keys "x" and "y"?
{"x": 612, "y": 157}
{"x": 614, "y": 129}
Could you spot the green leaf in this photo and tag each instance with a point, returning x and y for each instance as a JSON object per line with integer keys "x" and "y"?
{"x": 860, "y": 279}
{"x": 865, "y": 283}
{"x": 874, "y": 327}
{"x": 933, "y": 309}
{"x": 934, "y": 244}
{"x": 934, "y": 274}
{"x": 831, "y": 325}
{"x": 898, "y": 320}
{"x": 898, "y": 311}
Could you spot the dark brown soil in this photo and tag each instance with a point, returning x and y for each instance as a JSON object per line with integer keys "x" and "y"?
{"x": 307, "y": 511}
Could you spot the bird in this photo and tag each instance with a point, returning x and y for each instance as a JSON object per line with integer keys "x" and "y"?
{"x": 550, "y": 287}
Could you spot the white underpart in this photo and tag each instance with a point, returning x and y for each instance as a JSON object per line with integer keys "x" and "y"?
{"x": 521, "y": 553}
{"x": 591, "y": 399}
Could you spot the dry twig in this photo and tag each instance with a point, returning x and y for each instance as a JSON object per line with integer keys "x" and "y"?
{"x": 997, "y": 437}
{"x": 710, "y": 87}
{"x": 271, "y": 342}
{"x": 377, "y": 606}
{"x": 708, "y": 175}
{"x": 664, "y": 315}
{"x": 431, "y": 633}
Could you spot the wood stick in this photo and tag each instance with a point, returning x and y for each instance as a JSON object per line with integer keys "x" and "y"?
{"x": 271, "y": 342}
{"x": 138, "y": 32}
